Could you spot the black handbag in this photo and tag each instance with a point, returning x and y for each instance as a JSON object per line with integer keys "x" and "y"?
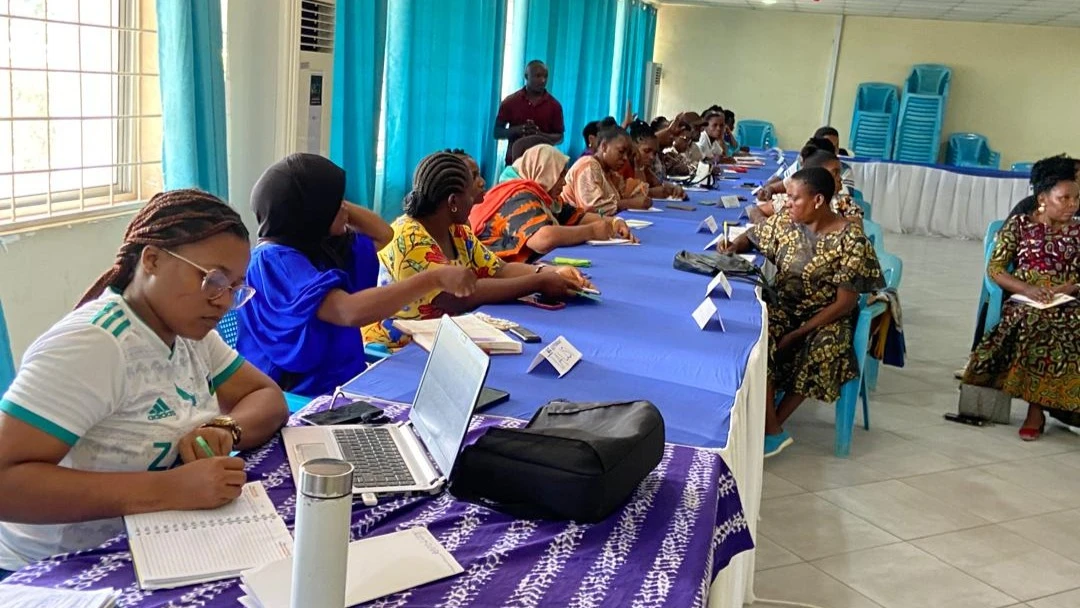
{"x": 576, "y": 461}
{"x": 712, "y": 263}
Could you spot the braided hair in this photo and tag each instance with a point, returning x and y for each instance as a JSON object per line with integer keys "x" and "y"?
{"x": 437, "y": 177}
{"x": 170, "y": 219}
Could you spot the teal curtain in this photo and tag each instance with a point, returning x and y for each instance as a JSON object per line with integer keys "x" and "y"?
{"x": 193, "y": 148}
{"x": 443, "y": 67}
{"x": 576, "y": 39}
{"x": 360, "y": 42}
{"x": 7, "y": 362}
{"x": 639, "y": 27}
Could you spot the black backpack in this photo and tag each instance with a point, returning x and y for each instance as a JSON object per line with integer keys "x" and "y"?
{"x": 576, "y": 461}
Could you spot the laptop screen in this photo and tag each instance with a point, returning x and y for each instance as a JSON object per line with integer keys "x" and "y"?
{"x": 449, "y": 388}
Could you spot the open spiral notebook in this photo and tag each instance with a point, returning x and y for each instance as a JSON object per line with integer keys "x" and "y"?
{"x": 177, "y": 548}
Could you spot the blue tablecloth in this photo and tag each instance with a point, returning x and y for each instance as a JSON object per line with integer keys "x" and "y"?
{"x": 682, "y": 525}
{"x": 639, "y": 343}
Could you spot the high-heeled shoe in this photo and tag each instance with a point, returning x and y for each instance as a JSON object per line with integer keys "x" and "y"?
{"x": 1030, "y": 434}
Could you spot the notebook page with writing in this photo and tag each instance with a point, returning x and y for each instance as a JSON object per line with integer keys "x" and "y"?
{"x": 21, "y": 596}
{"x": 1058, "y": 300}
{"x": 175, "y": 548}
{"x": 378, "y": 566}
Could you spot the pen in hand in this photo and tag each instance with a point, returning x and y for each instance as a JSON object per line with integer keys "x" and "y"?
{"x": 205, "y": 447}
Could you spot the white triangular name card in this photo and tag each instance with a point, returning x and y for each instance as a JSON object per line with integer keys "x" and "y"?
{"x": 720, "y": 280}
{"x": 560, "y": 354}
{"x": 705, "y": 312}
{"x": 730, "y": 201}
{"x": 709, "y": 224}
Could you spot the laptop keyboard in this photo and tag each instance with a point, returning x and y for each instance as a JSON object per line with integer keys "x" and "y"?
{"x": 375, "y": 457}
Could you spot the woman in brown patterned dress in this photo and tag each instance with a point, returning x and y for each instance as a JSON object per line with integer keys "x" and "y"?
{"x": 1034, "y": 354}
{"x": 823, "y": 263}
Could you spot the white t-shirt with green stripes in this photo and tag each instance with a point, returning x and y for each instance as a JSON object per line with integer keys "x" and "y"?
{"x": 104, "y": 383}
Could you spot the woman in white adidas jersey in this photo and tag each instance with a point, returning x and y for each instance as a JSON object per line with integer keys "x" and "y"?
{"x": 109, "y": 399}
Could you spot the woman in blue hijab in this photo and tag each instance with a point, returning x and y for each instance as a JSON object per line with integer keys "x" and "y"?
{"x": 315, "y": 272}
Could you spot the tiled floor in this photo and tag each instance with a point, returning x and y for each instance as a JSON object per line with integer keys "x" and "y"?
{"x": 926, "y": 513}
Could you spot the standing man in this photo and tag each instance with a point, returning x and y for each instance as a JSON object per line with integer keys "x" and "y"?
{"x": 530, "y": 111}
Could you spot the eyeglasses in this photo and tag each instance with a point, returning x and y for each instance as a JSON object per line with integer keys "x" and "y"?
{"x": 215, "y": 284}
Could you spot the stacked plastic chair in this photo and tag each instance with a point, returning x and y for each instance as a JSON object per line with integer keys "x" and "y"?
{"x": 1022, "y": 167}
{"x": 971, "y": 150}
{"x": 755, "y": 134}
{"x": 873, "y": 124}
{"x": 922, "y": 111}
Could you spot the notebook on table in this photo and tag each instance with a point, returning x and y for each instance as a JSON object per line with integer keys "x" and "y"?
{"x": 21, "y": 596}
{"x": 378, "y": 566}
{"x": 178, "y": 548}
{"x": 489, "y": 338}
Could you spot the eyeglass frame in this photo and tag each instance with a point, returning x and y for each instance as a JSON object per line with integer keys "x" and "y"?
{"x": 243, "y": 288}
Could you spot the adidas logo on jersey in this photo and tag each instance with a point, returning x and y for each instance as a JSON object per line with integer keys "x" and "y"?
{"x": 159, "y": 410}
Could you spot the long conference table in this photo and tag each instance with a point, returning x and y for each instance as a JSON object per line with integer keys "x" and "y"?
{"x": 641, "y": 342}
{"x": 685, "y": 536}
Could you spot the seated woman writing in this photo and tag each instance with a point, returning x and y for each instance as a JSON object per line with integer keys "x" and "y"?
{"x": 1033, "y": 354}
{"x": 316, "y": 272}
{"x": 649, "y": 167}
{"x": 775, "y": 184}
{"x": 594, "y": 182}
{"x": 121, "y": 389}
{"x": 823, "y": 263}
{"x": 521, "y": 220}
{"x": 842, "y": 204}
{"x": 435, "y": 233}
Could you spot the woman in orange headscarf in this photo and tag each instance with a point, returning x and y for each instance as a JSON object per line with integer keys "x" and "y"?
{"x": 520, "y": 220}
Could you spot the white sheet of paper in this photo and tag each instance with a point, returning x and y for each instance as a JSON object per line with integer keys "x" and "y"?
{"x": 638, "y": 223}
{"x": 720, "y": 280}
{"x": 730, "y": 201}
{"x": 735, "y": 232}
{"x": 611, "y": 242}
{"x": 705, "y": 311}
{"x": 560, "y": 354}
{"x": 709, "y": 224}
{"x": 695, "y": 189}
{"x": 1058, "y": 300}
{"x": 649, "y": 210}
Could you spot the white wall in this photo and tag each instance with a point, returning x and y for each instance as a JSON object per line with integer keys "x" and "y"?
{"x": 43, "y": 273}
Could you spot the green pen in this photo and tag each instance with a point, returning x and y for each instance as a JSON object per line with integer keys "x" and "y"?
{"x": 205, "y": 447}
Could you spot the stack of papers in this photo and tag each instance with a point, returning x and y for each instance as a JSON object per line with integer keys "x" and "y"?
{"x": 19, "y": 596}
{"x": 177, "y": 548}
{"x": 612, "y": 242}
{"x": 378, "y": 566}
{"x": 1057, "y": 301}
{"x": 491, "y": 340}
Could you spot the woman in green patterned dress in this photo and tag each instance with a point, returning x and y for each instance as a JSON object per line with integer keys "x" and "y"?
{"x": 823, "y": 263}
{"x": 1034, "y": 354}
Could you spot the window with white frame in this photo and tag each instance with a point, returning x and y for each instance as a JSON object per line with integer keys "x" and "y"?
{"x": 80, "y": 109}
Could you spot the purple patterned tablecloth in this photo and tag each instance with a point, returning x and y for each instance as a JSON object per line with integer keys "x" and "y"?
{"x": 663, "y": 548}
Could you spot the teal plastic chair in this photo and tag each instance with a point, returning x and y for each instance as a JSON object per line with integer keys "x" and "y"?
{"x": 874, "y": 233}
{"x": 991, "y": 297}
{"x": 229, "y": 330}
{"x": 855, "y": 389}
{"x": 755, "y": 133}
{"x": 7, "y": 362}
{"x": 971, "y": 150}
{"x": 893, "y": 269}
{"x": 1022, "y": 167}
{"x": 860, "y": 200}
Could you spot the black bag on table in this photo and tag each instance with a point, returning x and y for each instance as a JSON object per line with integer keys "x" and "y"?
{"x": 577, "y": 461}
{"x": 712, "y": 263}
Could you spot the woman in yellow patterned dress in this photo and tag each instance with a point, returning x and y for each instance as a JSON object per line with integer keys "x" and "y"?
{"x": 823, "y": 263}
{"x": 1034, "y": 354}
{"x": 435, "y": 231}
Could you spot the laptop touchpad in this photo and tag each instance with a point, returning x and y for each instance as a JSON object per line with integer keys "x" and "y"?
{"x": 311, "y": 451}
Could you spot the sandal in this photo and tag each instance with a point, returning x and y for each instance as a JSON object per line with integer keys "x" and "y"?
{"x": 1031, "y": 434}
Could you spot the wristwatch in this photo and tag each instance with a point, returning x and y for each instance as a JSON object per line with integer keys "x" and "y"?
{"x": 229, "y": 424}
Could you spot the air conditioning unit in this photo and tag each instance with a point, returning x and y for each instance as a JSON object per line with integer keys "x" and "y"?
{"x": 316, "y": 73}
{"x": 653, "y": 73}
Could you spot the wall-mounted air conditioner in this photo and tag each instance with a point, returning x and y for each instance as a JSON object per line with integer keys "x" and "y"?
{"x": 653, "y": 73}
{"x": 315, "y": 76}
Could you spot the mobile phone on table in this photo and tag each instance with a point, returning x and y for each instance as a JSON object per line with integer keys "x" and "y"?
{"x": 541, "y": 302}
{"x": 525, "y": 335}
{"x": 350, "y": 412}
{"x": 490, "y": 397}
{"x": 681, "y": 206}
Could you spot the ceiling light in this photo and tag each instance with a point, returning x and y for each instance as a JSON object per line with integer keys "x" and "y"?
{"x": 768, "y": 1}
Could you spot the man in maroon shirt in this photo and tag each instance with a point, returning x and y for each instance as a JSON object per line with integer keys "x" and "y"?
{"x": 530, "y": 111}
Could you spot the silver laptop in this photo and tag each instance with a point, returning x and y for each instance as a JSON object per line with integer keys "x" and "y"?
{"x": 413, "y": 456}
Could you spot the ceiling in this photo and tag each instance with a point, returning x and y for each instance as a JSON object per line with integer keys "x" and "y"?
{"x": 1030, "y": 12}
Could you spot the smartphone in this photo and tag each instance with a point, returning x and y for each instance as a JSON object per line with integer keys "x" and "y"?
{"x": 541, "y": 302}
{"x": 525, "y": 335}
{"x": 681, "y": 206}
{"x": 351, "y": 412}
{"x": 490, "y": 397}
{"x": 965, "y": 419}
